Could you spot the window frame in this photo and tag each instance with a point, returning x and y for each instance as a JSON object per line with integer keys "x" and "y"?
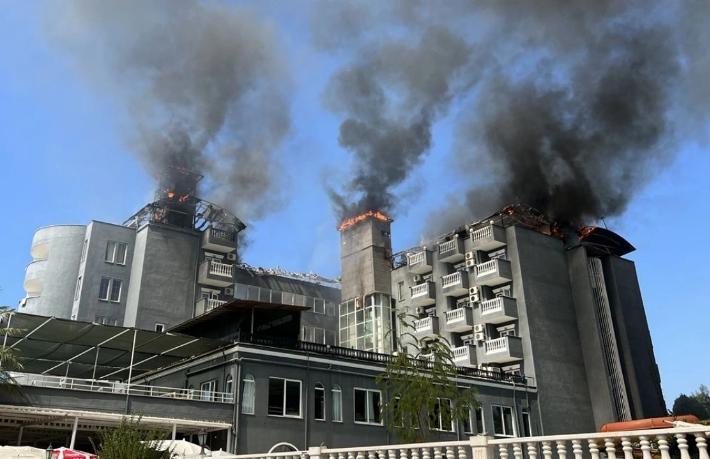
{"x": 285, "y": 398}
{"x": 440, "y": 418}
{"x": 526, "y": 420}
{"x": 333, "y": 390}
{"x": 248, "y": 379}
{"x": 316, "y": 388}
{"x": 161, "y": 326}
{"x": 110, "y": 281}
{"x": 480, "y": 429}
{"x": 110, "y": 256}
{"x": 503, "y": 408}
{"x": 316, "y": 302}
{"x": 367, "y": 406}
{"x": 204, "y": 392}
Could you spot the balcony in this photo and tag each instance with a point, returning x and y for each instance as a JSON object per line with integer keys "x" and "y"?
{"x": 459, "y": 320}
{"x": 464, "y": 356}
{"x": 420, "y": 262}
{"x": 218, "y": 240}
{"x": 503, "y": 350}
{"x": 499, "y": 310}
{"x": 455, "y": 284}
{"x": 452, "y": 251}
{"x": 426, "y": 328}
{"x": 34, "y": 277}
{"x": 488, "y": 238}
{"x": 207, "y": 304}
{"x": 494, "y": 272}
{"x": 424, "y": 294}
{"x": 216, "y": 274}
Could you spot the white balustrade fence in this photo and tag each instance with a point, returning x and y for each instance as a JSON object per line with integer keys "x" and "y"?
{"x": 448, "y": 246}
{"x": 629, "y": 445}
{"x": 491, "y": 306}
{"x": 487, "y": 267}
{"x": 455, "y": 314}
{"x": 496, "y": 345}
{"x": 482, "y": 233}
{"x": 416, "y": 258}
{"x": 423, "y": 324}
{"x": 221, "y": 269}
{"x": 420, "y": 290}
{"x": 451, "y": 279}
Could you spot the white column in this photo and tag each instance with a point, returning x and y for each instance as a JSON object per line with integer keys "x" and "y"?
{"x": 229, "y": 440}
{"x": 174, "y": 431}
{"x": 19, "y": 436}
{"x": 73, "y": 432}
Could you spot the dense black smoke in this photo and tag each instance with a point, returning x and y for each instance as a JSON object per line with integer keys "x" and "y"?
{"x": 566, "y": 105}
{"x": 203, "y": 83}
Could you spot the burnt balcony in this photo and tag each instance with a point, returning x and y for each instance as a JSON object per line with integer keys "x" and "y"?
{"x": 494, "y": 272}
{"x": 219, "y": 240}
{"x": 503, "y": 350}
{"x": 459, "y": 320}
{"x": 452, "y": 251}
{"x": 488, "y": 238}
{"x": 207, "y": 304}
{"x": 424, "y": 294}
{"x": 427, "y": 327}
{"x": 455, "y": 284}
{"x": 216, "y": 273}
{"x": 499, "y": 310}
{"x": 420, "y": 262}
{"x": 464, "y": 356}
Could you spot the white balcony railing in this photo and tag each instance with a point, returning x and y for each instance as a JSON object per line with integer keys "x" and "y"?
{"x": 627, "y": 444}
{"x": 212, "y": 303}
{"x": 497, "y": 345}
{"x": 420, "y": 290}
{"x": 482, "y": 233}
{"x": 416, "y": 258}
{"x": 461, "y": 353}
{"x": 221, "y": 269}
{"x": 451, "y": 280}
{"x": 455, "y": 315}
{"x": 115, "y": 387}
{"x": 492, "y": 306}
{"x": 486, "y": 268}
{"x": 222, "y": 234}
{"x": 423, "y": 325}
{"x": 447, "y": 246}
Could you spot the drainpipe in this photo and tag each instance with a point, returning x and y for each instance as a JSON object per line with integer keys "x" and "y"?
{"x": 236, "y": 424}
{"x": 305, "y": 399}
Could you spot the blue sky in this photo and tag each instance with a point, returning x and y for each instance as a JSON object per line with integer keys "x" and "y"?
{"x": 63, "y": 159}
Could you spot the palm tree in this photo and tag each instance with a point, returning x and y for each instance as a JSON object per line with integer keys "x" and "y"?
{"x": 9, "y": 358}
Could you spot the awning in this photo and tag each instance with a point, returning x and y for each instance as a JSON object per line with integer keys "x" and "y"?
{"x": 48, "y": 345}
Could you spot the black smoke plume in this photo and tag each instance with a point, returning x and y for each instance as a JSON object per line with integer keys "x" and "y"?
{"x": 203, "y": 84}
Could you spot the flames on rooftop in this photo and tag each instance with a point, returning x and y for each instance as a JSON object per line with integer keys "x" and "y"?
{"x": 370, "y": 214}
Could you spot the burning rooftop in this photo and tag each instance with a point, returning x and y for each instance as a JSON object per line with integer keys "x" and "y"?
{"x": 352, "y": 221}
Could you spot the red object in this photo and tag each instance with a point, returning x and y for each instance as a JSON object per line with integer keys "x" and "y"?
{"x": 65, "y": 453}
{"x": 649, "y": 423}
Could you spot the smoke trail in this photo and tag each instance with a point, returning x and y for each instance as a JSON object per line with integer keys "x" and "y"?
{"x": 203, "y": 84}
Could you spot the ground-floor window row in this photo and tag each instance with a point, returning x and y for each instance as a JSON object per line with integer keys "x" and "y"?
{"x": 284, "y": 398}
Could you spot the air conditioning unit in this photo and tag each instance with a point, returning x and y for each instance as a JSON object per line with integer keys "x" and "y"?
{"x": 229, "y": 291}
{"x": 473, "y": 291}
{"x": 470, "y": 263}
{"x": 474, "y": 298}
{"x": 479, "y": 337}
{"x": 232, "y": 256}
{"x": 470, "y": 256}
{"x": 478, "y": 328}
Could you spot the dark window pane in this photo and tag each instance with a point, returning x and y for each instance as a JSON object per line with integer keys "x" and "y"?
{"x": 467, "y": 426}
{"x": 293, "y": 398}
{"x": 319, "y": 400}
{"x": 276, "y": 396}
{"x": 103, "y": 289}
{"x": 497, "y": 420}
{"x": 479, "y": 420}
{"x": 115, "y": 290}
{"x": 526, "y": 424}
{"x": 360, "y": 406}
{"x": 110, "y": 248}
{"x": 375, "y": 415}
{"x": 508, "y": 420}
{"x": 121, "y": 253}
{"x": 446, "y": 415}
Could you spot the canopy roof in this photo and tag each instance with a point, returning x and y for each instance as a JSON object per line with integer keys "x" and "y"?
{"x": 48, "y": 345}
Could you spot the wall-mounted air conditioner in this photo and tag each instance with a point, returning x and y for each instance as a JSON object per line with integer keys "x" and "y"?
{"x": 474, "y": 298}
{"x": 479, "y": 337}
{"x": 229, "y": 291}
{"x": 232, "y": 256}
{"x": 473, "y": 291}
{"x": 470, "y": 256}
{"x": 470, "y": 263}
{"x": 478, "y": 328}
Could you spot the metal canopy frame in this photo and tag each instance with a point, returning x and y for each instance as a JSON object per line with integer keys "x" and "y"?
{"x": 52, "y": 346}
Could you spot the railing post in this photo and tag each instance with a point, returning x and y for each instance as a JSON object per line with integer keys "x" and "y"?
{"x": 682, "y": 446}
{"x": 314, "y": 452}
{"x": 480, "y": 447}
{"x": 702, "y": 445}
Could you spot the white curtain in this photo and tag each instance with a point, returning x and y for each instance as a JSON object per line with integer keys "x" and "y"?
{"x": 337, "y": 404}
{"x": 248, "y": 395}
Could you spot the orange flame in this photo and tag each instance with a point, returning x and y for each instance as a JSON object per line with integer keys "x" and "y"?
{"x": 352, "y": 221}
{"x": 171, "y": 194}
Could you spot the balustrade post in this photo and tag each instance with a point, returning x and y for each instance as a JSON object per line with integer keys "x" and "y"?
{"x": 461, "y": 453}
{"x": 532, "y": 450}
{"x": 426, "y": 453}
{"x": 663, "y": 446}
{"x": 332, "y": 456}
{"x": 437, "y": 452}
{"x": 415, "y": 453}
{"x": 627, "y": 448}
{"x": 682, "y": 446}
{"x": 341, "y": 455}
{"x": 450, "y": 452}
{"x": 610, "y": 449}
{"x": 594, "y": 449}
{"x": 503, "y": 451}
{"x": 546, "y": 450}
{"x": 577, "y": 449}
{"x": 381, "y": 454}
{"x": 480, "y": 447}
{"x": 403, "y": 453}
{"x": 314, "y": 452}
{"x": 702, "y": 445}
{"x": 351, "y": 455}
{"x": 645, "y": 447}
{"x": 391, "y": 454}
{"x": 517, "y": 451}
{"x": 562, "y": 449}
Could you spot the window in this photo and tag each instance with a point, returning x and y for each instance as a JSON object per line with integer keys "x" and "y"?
{"x": 367, "y": 406}
{"x": 441, "y": 418}
{"x": 83, "y": 250}
{"x": 229, "y": 384}
{"x": 527, "y": 426}
{"x": 160, "y": 328}
{"x": 468, "y": 424}
{"x": 207, "y": 390}
{"x": 77, "y": 291}
{"x": 116, "y": 252}
{"x": 506, "y": 331}
{"x": 480, "y": 425}
{"x": 503, "y": 421}
{"x": 248, "y": 393}
{"x": 400, "y": 290}
{"x": 314, "y": 335}
{"x": 337, "y": 395}
{"x": 110, "y": 289}
{"x": 318, "y": 306}
{"x": 284, "y": 397}
{"x": 319, "y": 402}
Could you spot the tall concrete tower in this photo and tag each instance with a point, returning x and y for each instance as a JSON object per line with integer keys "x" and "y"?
{"x": 366, "y": 289}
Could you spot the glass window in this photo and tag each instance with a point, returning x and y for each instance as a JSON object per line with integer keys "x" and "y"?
{"x": 337, "y": 395}
{"x": 468, "y": 424}
{"x": 318, "y": 306}
{"x": 115, "y": 290}
{"x": 284, "y": 397}
{"x": 319, "y": 403}
{"x": 104, "y": 288}
{"x": 248, "y": 393}
{"x": 229, "y": 384}
{"x": 503, "y": 421}
{"x": 160, "y": 328}
{"x": 207, "y": 390}
{"x": 121, "y": 249}
{"x": 440, "y": 419}
{"x": 110, "y": 250}
{"x": 110, "y": 289}
{"x": 480, "y": 426}
{"x": 367, "y": 406}
{"x": 527, "y": 426}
